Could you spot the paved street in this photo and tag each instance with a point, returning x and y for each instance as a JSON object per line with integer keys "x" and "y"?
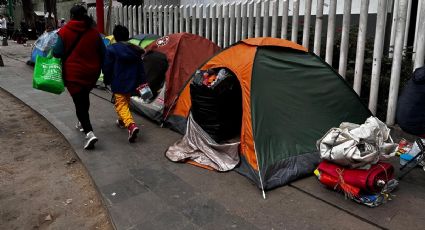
{"x": 143, "y": 190}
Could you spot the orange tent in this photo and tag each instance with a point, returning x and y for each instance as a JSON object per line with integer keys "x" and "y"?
{"x": 290, "y": 98}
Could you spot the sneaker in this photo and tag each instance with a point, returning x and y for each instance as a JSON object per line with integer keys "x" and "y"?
{"x": 133, "y": 130}
{"x": 120, "y": 123}
{"x": 91, "y": 140}
{"x": 79, "y": 127}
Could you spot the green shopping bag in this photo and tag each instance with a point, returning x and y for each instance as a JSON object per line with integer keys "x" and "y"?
{"x": 48, "y": 75}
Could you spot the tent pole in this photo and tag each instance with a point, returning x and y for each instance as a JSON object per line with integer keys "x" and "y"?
{"x": 259, "y": 173}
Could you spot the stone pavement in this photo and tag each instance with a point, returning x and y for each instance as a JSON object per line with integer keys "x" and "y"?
{"x": 143, "y": 190}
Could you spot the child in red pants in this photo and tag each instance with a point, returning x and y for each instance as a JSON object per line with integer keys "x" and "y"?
{"x": 123, "y": 70}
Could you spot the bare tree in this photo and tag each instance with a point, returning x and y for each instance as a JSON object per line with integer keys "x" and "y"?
{"x": 28, "y": 9}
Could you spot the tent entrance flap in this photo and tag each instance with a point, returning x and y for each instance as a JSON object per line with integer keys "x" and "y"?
{"x": 156, "y": 66}
{"x": 216, "y": 97}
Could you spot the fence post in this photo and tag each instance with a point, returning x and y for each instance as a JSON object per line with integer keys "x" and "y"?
{"x": 231, "y": 32}
{"x": 361, "y": 44}
{"x": 208, "y": 21}
{"x": 160, "y": 20}
{"x": 170, "y": 19}
{"x": 295, "y": 16}
{"x": 181, "y": 19}
{"x": 187, "y": 19}
{"x": 344, "y": 38}
{"x": 121, "y": 15}
{"x": 220, "y": 25}
{"x": 377, "y": 54}
{"x": 125, "y": 16}
{"x": 201, "y": 20}
{"x": 318, "y": 28}
{"x": 266, "y": 16}
{"x": 134, "y": 20}
{"x": 244, "y": 23}
{"x": 418, "y": 17}
{"x": 193, "y": 17}
{"x": 238, "y": 21}
{"x": 145, "y": 20}
{"x": 226, "y": 25}
{"x": 284, "y": 27}
{"x": 331, "y": 33}
{"x": 257, "y": 19}
{"x": 396, "y": 65}
{"x": 105, "y": 20}
{"x": 393, "y": 27}
{"x": 150, "y": 20}
{"x": 116, "y": 16}
{"x": 155, "y": 19}
{"x": 307, "y": 18}
{"x": 420, "y": 46}
{"x": 130, "y": 20}
{"x": 406, "y": 31}
{"x": 275, "y": 15}
{"x": 166, "y": 19}
{"x": 214, "y": 23}
{"x": 176, "y": 19}
{"x": 250, "y": 13}
{"x": 115, "y": 20}
{"x": 139, "y": 19}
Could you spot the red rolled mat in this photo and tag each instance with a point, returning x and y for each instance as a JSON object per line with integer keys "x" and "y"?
{"x": 366, "y": 180}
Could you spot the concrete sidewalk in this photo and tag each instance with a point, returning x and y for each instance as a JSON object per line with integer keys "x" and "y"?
{"x": 143, "y": 190}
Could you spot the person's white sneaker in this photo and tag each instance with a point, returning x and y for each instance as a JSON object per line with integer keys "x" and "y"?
{"x": 79, "y": 127}
{"x": 91, "y": 140}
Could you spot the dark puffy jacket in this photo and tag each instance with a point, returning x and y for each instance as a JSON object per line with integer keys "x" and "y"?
{"x": 123, "y": 67}
{"x": 411, "y": 104}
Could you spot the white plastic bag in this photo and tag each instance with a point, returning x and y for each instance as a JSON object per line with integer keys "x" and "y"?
{"x": 354, "y": 146}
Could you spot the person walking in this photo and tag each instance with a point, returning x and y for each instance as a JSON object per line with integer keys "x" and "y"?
{"x": 123, "y": 70}
{"x": 3, "y": 26}
{"x": 81, "y": 48}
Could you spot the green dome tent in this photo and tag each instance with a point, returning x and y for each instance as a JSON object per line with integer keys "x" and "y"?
{"x": 289, "y": 99}
{"x": 143, "y": 40}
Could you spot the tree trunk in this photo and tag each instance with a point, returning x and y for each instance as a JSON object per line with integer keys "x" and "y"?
{"x": 50, "y": 8}
{"x": 28, "y": 10}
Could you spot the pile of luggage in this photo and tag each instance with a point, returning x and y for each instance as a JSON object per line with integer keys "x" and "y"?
{"x": 354, "y": 161}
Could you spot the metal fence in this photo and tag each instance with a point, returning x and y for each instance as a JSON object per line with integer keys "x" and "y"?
{"x": 225, "y": 24}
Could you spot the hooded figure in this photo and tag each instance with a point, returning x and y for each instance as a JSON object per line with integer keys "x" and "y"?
{"x": 411, "y": 104}
{"x": 123, "y": 70}
{"x": 81, "y": 48}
